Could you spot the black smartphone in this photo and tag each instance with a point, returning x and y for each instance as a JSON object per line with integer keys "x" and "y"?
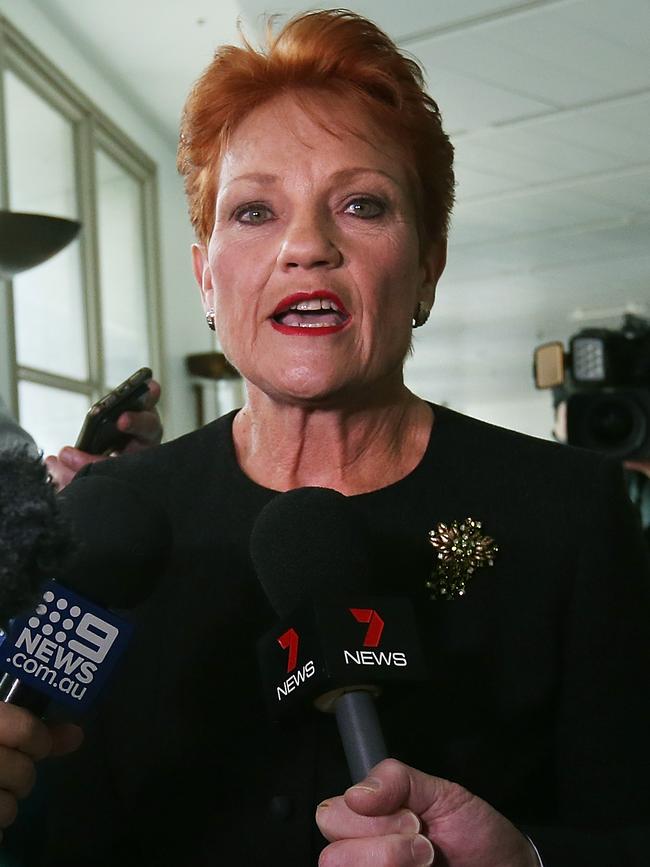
{"x": 99, "y": 434}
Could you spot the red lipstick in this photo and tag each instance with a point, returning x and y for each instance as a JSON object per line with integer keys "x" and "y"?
{"x": 312, "y": 321}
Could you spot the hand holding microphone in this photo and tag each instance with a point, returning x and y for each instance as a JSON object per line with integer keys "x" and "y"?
{"x": 104, "y": 546}
{"x": 401, "y": 817}
{"x": 24, "y": 741}
{"x": 311, "y": 557}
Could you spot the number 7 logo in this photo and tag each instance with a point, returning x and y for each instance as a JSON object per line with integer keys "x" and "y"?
{"x": 375, "y": 628}
{"x": 289, "y": 641}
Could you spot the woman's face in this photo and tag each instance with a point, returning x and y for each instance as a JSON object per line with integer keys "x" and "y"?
{"x": 314, "y": 266}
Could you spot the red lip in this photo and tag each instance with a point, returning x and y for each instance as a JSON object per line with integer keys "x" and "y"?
{"x": 296, "y": 298}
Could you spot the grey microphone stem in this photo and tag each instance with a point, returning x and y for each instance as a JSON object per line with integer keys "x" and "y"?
{"x": 358, "y": 724}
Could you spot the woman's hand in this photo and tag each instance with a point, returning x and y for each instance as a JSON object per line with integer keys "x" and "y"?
{"x": 144, "y": 426}
{"x": 400, "y": 817}
{"x": 24, "y": 740}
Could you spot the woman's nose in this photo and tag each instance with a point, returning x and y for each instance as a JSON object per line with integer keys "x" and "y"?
{"x": 309, "y": 243}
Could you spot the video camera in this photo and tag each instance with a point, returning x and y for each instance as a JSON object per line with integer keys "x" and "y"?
{"x": 605, "y": 380}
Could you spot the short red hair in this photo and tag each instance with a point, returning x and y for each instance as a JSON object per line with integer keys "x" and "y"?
{"x": 334, "y": 51}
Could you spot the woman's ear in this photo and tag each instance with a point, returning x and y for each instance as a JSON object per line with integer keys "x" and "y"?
{"x": 435, "y": 262}
{"x": 203, "y": 275}
{"x": 433, "y": 265}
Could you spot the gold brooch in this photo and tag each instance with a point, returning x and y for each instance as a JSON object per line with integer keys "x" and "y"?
{"x": 461, "y": 549}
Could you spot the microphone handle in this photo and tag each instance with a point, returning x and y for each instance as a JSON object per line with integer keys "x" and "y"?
{"x": 360, "y": 731}
{"x": 13, "y": 691}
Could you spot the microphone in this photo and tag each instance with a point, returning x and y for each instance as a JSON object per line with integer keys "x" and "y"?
{"x": 105, "y": 546}
{"x": 35, "y": 541}
{"x": 335, "y": 644}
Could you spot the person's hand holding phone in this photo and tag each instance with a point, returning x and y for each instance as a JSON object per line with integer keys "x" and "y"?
{"x": 142, "y": 426}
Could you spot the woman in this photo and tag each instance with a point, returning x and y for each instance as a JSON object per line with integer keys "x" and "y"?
{"x": 319, "y": 180}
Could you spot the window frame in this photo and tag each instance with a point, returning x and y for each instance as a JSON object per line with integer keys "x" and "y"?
{"x": 92, "y": 130}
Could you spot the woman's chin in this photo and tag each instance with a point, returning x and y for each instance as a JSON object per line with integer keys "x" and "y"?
{"x": 305, "y": 386}
{"x": 314, "y": 385}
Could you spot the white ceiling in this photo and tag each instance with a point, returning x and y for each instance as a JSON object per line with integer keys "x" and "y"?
{"x": 548, "y": 104}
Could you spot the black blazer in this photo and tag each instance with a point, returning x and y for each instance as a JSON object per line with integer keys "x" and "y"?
{"x": 537, "y": 702}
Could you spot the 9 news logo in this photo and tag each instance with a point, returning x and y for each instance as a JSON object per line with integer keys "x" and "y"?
{"x": 65, "y": 648}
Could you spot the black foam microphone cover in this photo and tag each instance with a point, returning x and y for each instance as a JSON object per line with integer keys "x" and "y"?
{"x": 99, "y": 537}
{"x": 121, "y": 541}
{"x": 309, "y": 543}
{"x": 35, "y": 539}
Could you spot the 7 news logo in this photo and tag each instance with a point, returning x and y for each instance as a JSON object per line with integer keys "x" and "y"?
{"x": 368, "y": 656}
{"x": 290, "y": 641}
{"x": 372, "y": 639}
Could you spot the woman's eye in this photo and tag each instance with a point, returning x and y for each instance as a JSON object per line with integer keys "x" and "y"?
{"x": 365, "y": 208}
{"x": 254, "y": 214}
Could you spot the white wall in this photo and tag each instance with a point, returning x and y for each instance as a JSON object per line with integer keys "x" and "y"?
{"x": 184, "y": 329}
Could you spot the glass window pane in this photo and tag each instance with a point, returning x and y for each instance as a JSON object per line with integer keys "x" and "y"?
{"x": 50, "y": 322}
{"x": 51, "y": 415}
{"x": 49, "y": 316}
{"x": 122, "y": 270}
{"x": 40, "y": 153}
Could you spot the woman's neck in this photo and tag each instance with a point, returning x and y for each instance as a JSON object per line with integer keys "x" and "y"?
{"x": 353, "y": 449}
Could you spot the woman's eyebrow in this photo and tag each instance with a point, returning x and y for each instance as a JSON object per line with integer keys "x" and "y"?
{"x": 348, "y": 174}
{"x": 261, "y": 178}
{"x": 342, "y": 175}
